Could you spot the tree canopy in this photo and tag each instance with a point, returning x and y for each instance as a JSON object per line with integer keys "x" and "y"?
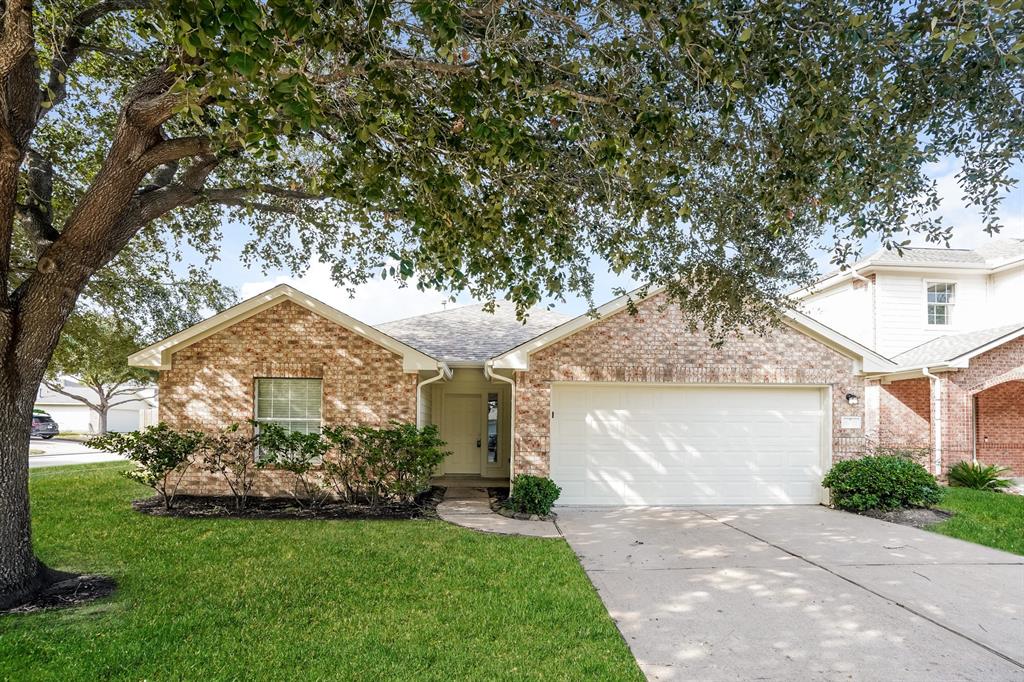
{"x": 494, "y": 146}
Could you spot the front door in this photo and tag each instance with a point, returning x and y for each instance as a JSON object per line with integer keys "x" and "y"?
{"x": 460, "y": 428}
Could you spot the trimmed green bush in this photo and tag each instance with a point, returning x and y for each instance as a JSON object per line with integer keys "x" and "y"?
{"x": 533, "y": 494}
{"x": 978, "y": 476}
{"x": 162, "y": 456}
{"x": 881, "y": 482}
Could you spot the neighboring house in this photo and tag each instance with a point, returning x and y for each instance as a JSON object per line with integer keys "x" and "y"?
{"x": 620, "y": 409}
{"x": 953, "y": 322}
{"x": 75, "y": 416}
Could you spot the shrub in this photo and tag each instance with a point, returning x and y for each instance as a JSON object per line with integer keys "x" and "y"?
{"x": 231, "y": 455}
{"x": 161, "y": 454}
{"x": 379, "y": 464}
{"x": 299, "y": 454}
{"x": 978, "y": 476}
{"x": 533, "y": 494}
{"x": 881, "y": 482}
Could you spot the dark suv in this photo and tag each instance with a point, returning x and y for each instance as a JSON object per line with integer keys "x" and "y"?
{"x": 43, "y": 426}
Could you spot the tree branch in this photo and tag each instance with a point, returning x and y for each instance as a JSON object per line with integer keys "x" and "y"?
{"x": 56, "y": 388}
{"x": 16, "y": 40}
{"x": 72, "y": 46}
{"x": 38, "y": 210}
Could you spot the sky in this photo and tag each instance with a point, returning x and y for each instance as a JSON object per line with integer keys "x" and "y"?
{"x": 384, "y": 300}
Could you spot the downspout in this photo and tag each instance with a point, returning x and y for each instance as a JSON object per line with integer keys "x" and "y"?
{"x": 491, "y": 376}
{"x": 443, "y": 372}
{"x": 936, "y": 391}
{"x": 871, "y": 293}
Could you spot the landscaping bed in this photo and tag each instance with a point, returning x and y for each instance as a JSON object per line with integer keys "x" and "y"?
{"x": 195, "y": 507}
{"x": 916, "y": 518}
{"x": 500, "y": 505}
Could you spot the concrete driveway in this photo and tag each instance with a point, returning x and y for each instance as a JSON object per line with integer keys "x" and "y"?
{"x": 59, "y": 451}
{"x": 800, "y": 593}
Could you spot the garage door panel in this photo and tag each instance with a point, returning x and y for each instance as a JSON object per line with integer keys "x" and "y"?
{"x": 645, "y": 444}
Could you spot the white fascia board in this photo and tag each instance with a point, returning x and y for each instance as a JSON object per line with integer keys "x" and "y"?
{"x": 870, "y": 266}
{"x": 963, "y": 359}
{"x": 158, "y": 355}
{"x": 519, "y": 357}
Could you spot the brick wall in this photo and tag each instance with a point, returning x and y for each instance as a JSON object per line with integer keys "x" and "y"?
{"x": 905, "y": 413}
{"x": 1000, "y": 426}
{"x": 211, "y": 383}
{"x": 656, "y": 345}
{"x": 997, "y": 366}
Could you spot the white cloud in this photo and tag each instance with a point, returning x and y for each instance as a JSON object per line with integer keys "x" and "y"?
{"x": 374, "y": 302}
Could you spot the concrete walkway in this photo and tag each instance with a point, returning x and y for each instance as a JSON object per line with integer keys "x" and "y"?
{"x": 471, "y": 508}
{"x": 800, "y": 593}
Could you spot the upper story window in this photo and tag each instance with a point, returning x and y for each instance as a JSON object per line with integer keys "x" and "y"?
{"x": 941, "y": 296}
{"x": 294, "y": 404}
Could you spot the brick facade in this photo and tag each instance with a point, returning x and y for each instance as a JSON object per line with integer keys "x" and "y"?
{"x": 1000, "y": 426}
{"x": 656, "y": 345}
{"x": 986, "y": 397}
{"x": 905, "y": 413}
{"x": 987, "y": 372}
{"x": 211, "y": 383}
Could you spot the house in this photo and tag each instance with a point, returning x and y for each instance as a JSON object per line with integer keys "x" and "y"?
{"x": 618, "y": 409}
{"x": 953, "y": 322}
{"x": 132, "y": 411}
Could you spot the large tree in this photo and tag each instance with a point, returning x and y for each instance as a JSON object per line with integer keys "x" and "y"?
{"x": 94, "y": 349}
{"x": 490, "y": 146}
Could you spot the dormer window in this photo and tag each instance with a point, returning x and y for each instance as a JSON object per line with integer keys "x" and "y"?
{"x": 941, "y": 296}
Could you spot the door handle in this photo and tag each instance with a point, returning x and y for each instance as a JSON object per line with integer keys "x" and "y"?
{"x": 478, "y": 442}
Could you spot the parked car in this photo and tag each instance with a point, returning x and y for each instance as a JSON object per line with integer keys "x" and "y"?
{"x": 44, "y": 427}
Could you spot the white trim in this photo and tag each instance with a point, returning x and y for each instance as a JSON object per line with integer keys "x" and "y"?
{"x": 158, "y": 355}
{"x": 951, "y": 313}
{"x": 519, "y": 357}
{"x": 869, "y": 266}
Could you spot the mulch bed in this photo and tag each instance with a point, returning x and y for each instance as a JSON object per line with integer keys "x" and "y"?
{"x": 194, "y": 507}
{"x": 917, "y": 518}
{"x": 71, "y": 591}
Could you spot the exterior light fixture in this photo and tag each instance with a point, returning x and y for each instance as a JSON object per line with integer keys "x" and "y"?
{"x": 852, "y": 399}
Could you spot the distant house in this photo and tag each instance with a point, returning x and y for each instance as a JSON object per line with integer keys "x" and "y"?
{"x": 75, "y": 416}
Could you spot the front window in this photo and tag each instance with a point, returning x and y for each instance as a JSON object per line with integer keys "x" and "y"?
{"x": 940, "y": 303}
{"x": 293, "y": 404}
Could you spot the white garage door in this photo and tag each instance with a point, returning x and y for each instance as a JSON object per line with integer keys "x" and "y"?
{"x": 650, "y": 444}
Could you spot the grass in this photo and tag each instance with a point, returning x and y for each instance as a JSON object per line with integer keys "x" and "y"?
{"x": 984, "y": 517}
{"x": 321, "y": 600}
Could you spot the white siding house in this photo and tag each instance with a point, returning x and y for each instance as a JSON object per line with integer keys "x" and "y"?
{"x": 891, "y": 302}
{"x": 75, "y": 416}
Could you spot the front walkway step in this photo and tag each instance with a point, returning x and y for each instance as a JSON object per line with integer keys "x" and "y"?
{"x": 471, "y": 508}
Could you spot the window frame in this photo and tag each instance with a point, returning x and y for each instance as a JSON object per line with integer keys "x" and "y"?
{"x": 282, "y": 421}
{"x": 949, "y": 306}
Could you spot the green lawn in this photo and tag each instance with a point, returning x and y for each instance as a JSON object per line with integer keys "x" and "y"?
{"x": 264, "y": 600}
{"x": 993, "y": 519}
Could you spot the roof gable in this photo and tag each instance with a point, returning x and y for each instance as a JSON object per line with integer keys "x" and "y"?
{"x": 158, "y": 355}
{"x": 519, "y": 357}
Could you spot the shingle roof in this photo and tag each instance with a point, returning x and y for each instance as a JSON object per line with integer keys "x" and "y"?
{"x": 469, "y": 333}
{"x": 991, "y": 253}
{"x": 946, "y": 348}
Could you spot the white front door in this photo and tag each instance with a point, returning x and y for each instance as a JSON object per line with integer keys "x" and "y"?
{"x": 649, "y": 444}
{"x": 461, "y": 430}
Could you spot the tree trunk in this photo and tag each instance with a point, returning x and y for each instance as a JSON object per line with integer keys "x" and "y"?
{"x": 101, "y": 419}
{"x": 21, "y": 574}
